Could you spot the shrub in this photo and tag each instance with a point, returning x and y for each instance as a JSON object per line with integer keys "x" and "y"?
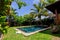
{"x": 48, "y": 21}
{"x": 3, "y": 26}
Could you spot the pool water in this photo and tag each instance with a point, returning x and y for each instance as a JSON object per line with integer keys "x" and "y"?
{"x": 30, "y": 29}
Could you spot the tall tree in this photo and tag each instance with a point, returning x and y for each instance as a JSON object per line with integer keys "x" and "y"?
{"x": 39, "y": 7}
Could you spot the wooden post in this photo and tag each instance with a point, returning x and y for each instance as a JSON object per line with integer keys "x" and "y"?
{"x": 56, "y": 17}
{"x": 55, "y": 27}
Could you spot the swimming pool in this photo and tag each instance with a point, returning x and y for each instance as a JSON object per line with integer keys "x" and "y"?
{"x": 31, "y": 30}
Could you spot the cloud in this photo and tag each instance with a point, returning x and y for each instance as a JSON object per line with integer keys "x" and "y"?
{"x": 36, "y": 1}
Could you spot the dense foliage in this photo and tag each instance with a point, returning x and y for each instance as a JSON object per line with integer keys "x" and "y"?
{"x": 3, "y": 24}
{"x": 48, "y": 21}
{"x": 26, "y": 19}
{"x": 6, "y": 12}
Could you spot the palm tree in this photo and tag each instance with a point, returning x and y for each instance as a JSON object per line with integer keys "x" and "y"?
{"x": 39, "y": 9}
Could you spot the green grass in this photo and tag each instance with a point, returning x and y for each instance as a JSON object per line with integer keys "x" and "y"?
{"x": 11, "y": 35}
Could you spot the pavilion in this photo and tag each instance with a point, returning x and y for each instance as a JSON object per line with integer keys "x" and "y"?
{"x": 55, "y": 8}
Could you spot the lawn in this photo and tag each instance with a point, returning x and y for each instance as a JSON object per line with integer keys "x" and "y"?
{"x": 11, "y": 35}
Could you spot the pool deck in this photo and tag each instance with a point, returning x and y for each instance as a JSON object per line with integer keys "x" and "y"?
{"x": 27, "y": 34}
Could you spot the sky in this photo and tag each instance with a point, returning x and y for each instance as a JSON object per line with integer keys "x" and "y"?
{"x": 26, "y": 9}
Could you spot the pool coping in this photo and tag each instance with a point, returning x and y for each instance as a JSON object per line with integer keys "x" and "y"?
{"x": 27, "y": 34}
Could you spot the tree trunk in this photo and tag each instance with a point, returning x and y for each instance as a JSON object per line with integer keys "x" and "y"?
{"x": 40, "y": 19}
{"x": 8, "y": 14}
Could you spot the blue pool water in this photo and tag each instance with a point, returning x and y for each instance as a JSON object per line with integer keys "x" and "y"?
{"x": 31, "y": 29}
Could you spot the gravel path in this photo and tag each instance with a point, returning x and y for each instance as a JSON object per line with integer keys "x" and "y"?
{"x": 55, "y": 38}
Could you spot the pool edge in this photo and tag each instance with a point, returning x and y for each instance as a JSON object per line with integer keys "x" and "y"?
{"x": 27, "y": 34}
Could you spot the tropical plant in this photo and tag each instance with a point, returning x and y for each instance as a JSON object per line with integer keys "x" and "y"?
{"x": 3, "y": 24}
{"x": 39, "y": 8}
